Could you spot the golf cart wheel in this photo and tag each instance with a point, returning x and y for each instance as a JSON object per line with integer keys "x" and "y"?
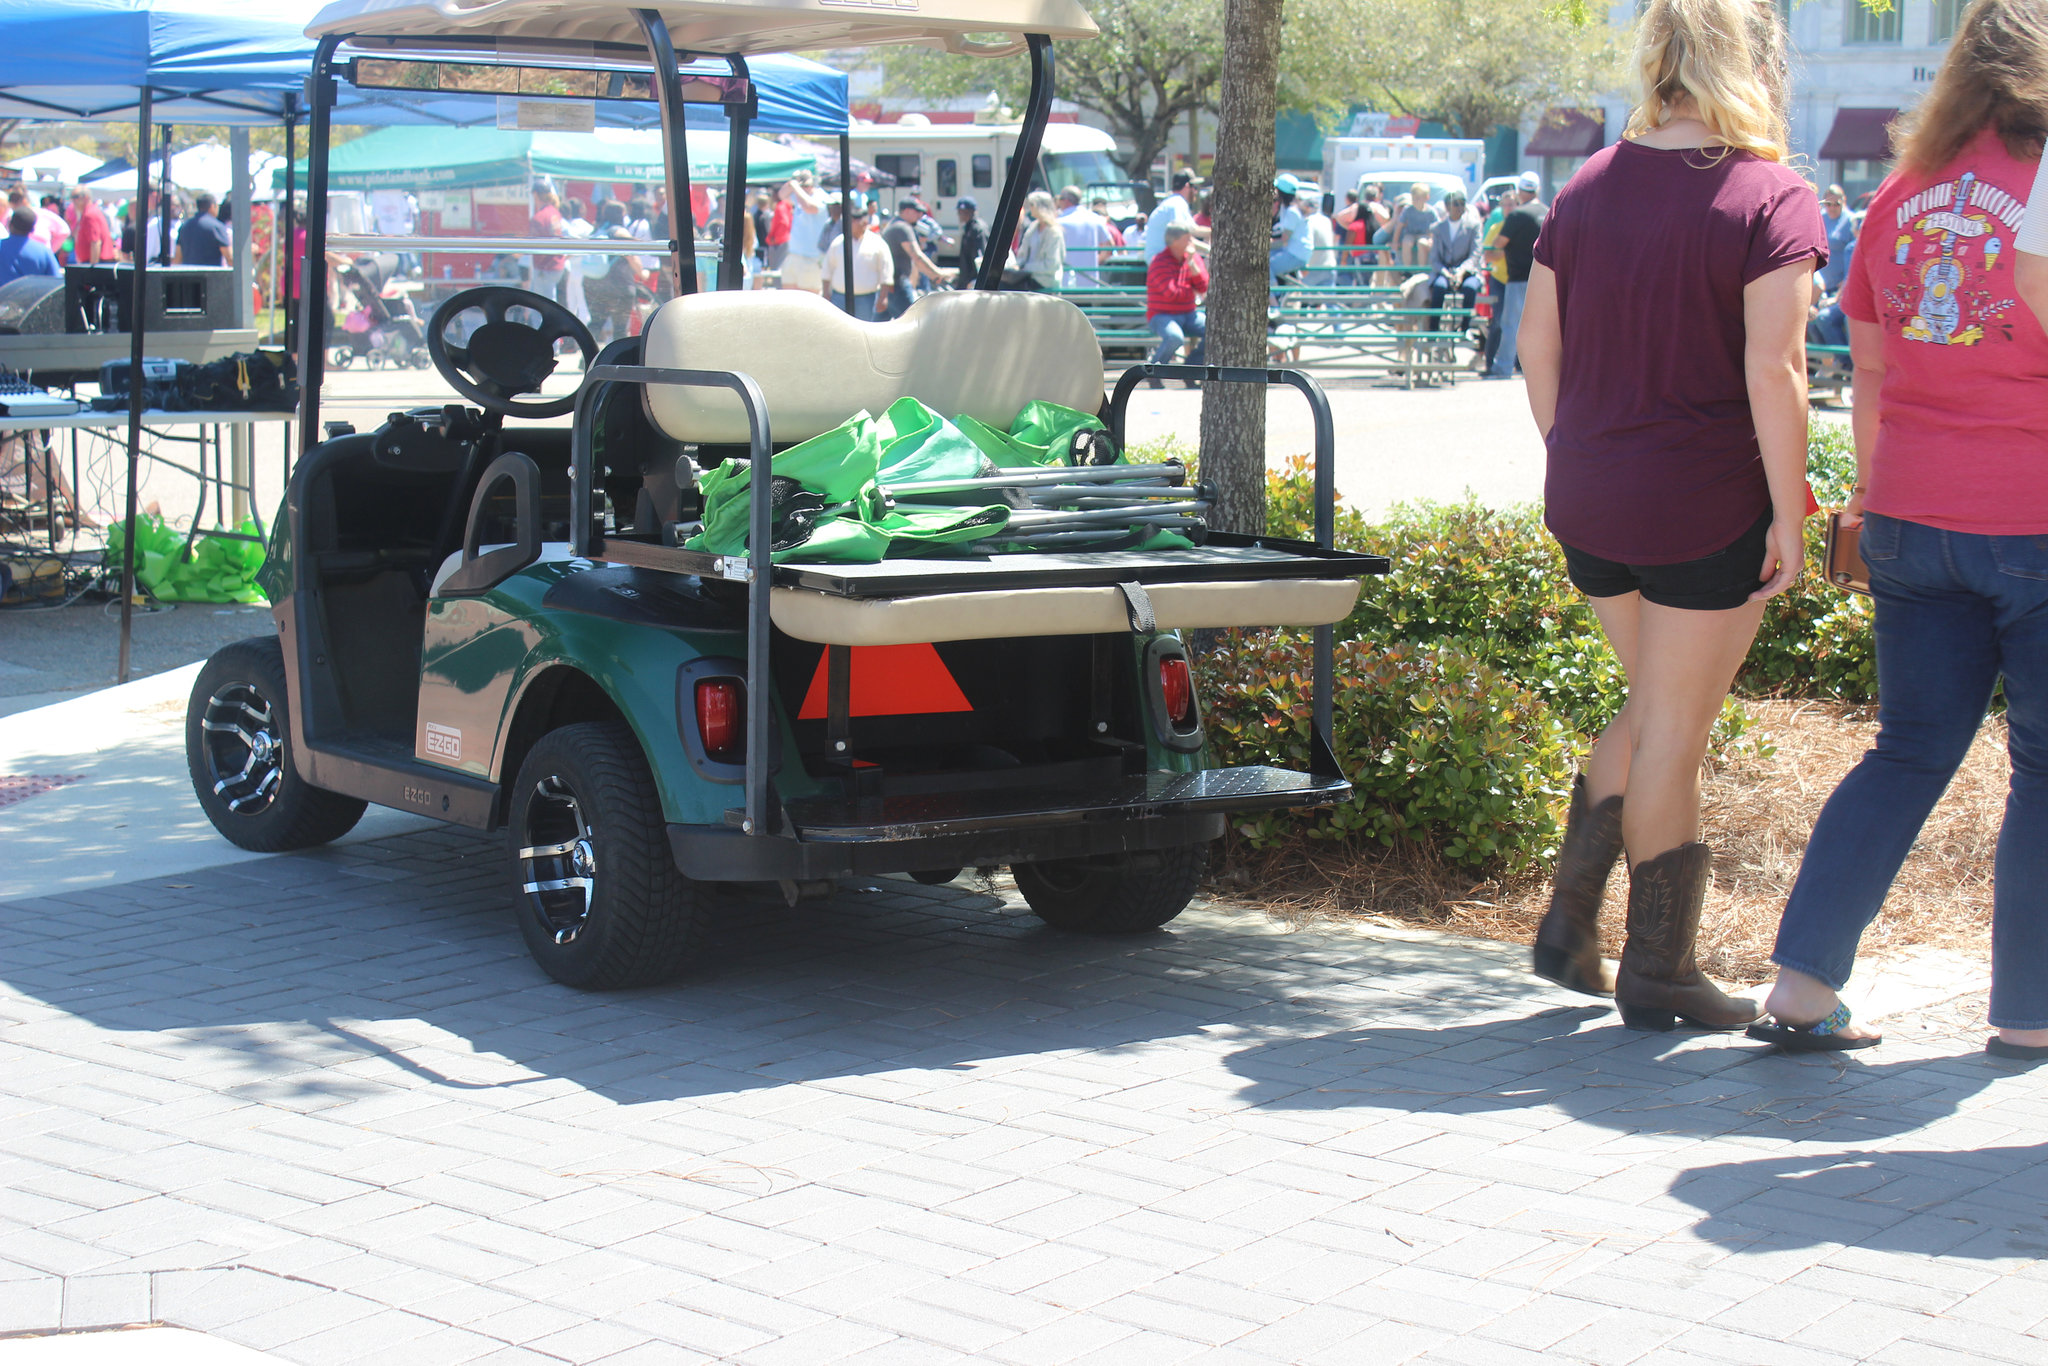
{"x": 239, "y": 750}
{"x": 600, "y": 902}
{"x": 1114, "y": 893}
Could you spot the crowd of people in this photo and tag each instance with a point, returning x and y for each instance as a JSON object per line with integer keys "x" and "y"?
{"x": 44, "y": 236}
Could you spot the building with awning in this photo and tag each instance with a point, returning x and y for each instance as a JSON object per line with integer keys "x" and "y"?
{"x": 1563, "y": 139}
{"x": 1859, "y": 144}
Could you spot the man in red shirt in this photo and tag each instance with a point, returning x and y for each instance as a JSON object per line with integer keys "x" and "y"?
{"x": 92, "y": 237}
{"x": 1174, "y": 286}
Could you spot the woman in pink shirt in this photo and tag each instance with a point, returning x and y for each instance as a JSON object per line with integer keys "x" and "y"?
{"x": 1952, "y": 495}
{"x": 1664, "y": 342}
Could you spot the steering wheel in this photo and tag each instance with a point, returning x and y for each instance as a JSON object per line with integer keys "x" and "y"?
{"x": 504, "y": 359}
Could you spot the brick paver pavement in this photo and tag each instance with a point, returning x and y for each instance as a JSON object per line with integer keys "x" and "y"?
{"x": 324, "y": 1106}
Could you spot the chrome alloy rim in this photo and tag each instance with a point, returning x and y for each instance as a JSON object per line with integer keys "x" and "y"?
{"x": 244, "y": 752}
{"x": 557, "y": 860}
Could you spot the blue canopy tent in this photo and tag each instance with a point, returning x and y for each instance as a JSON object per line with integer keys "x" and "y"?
{"x": 205, "y": 61}
{"x": 244, "y": 62}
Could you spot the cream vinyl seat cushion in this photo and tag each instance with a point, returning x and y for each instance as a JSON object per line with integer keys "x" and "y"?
{"x": 959, "y": 351}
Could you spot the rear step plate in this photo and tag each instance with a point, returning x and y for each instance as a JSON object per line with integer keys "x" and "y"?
{"x": 928, "y": 815}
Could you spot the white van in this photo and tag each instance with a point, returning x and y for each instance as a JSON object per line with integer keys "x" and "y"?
{"x": 940, "y": 162}
{"x": 1396, "y": 163}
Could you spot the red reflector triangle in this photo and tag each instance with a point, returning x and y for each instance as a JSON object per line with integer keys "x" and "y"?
{"x": 890, "y": 680}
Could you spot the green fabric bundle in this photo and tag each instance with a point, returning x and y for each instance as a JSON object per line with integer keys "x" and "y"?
{"x": 220, "y": 570}
{"x": 847, "y": 519}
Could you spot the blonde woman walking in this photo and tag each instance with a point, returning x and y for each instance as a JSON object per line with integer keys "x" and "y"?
{"x": 1664, "y": 342}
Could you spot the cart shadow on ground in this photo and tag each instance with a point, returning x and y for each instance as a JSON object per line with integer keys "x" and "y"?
{"x": 318, "y": 978}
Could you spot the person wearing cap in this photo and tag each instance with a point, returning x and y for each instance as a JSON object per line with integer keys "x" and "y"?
{"x": 973, "y": 242}
{"x": 1519, "y": 228}
{"x": 1290, "y": 230}
{"x": 1174, "y": 285}
{"x": 907, "y": 258}
{"x": 1177, "y": 207}
{"x": 873, "y": 270}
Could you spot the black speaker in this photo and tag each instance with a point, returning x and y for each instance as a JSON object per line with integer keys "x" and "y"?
{"x": 32, "y": 303}
{"x": 177, "y": 297}
{"x": 95, "y": 299}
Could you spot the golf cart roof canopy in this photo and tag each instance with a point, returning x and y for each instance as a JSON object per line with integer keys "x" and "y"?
{"x": 708, "y": 27}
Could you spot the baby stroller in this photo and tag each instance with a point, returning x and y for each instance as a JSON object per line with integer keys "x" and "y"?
{"x": 385, "y": 331}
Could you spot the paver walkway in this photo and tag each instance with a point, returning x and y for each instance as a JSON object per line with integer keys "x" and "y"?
{"x": 324, "y": 1106}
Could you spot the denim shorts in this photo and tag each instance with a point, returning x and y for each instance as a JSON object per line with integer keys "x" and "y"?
{"x": 1714, "y": 583}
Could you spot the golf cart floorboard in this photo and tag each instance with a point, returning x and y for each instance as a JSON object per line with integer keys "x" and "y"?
{"x": 1133, "y": 797}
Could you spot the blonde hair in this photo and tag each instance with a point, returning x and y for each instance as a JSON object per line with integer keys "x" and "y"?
{"x": 1995, "y": 76}
{"x": 1728, "y": 56}
{"x": 1418, "y": 193}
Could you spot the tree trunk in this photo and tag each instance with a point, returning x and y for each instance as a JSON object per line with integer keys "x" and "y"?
{"x": 1234, "y": 415}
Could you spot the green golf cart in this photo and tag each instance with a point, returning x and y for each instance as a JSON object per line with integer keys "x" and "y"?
{"x": 593, "y": 636}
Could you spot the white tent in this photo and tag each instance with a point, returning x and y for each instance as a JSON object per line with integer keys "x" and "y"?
{"x": 63, "y": 164}
{"x": 203, "y": 166}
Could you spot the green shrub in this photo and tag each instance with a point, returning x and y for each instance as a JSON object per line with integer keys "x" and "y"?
{"x": 1443, "y": 749}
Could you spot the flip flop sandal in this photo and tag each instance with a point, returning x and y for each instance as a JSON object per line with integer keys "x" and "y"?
{"x": 1824, "y": 1037}
{"x": 2019, "y": 1052}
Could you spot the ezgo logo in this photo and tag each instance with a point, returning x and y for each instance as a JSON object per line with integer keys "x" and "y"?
{"x": 446, "y": 741}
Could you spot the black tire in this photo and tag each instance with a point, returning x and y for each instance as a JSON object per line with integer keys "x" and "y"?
{"x": 600, "y": 902}
{"x": 238, "y": 749}
{"x": 1115, "y": 893}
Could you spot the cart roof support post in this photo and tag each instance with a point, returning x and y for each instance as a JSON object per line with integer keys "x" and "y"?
{"x": 675, "y": 149}
{"x": 845, "y": 223}
{"x": 1002, "y": 230}
{"x": 140, "y": 218}
{"x": 313, "y": 284}
{"x": 730, "y": 275}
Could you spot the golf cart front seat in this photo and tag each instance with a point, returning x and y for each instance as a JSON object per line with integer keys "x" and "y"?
{"x": 982, "y": 354}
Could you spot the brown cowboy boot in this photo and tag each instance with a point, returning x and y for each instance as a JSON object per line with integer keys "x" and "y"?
{"x": 1568, "y": 942}
{"x": 1659, "y": 982}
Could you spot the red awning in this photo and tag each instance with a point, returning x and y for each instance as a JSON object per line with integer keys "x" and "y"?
{"x": 1859, "y": 135}
{"x": 1568, "y": 133}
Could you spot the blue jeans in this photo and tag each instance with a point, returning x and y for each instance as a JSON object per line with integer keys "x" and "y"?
{"x": 863, "y": 305}
{"x": 1510, "y": 324}
{"x": 1174, "y": 330}
{"x": 1955, "y": 612}
{"x": 900, "y": 298}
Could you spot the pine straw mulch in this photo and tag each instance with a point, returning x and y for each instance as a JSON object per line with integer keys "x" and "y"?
{"x": 1757, "y": 814}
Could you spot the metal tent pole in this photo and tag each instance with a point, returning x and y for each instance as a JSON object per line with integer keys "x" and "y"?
{"x": 163, "y": 234}
{"x": 135, "y": 399}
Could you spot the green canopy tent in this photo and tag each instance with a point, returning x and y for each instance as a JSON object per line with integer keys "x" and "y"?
{"x": 417, "y": 158}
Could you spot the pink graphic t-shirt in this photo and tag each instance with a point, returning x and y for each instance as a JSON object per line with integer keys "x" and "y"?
{"x": 1959, "y": 443}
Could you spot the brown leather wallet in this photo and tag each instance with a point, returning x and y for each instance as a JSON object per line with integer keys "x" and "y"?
{"x": 1847, "y": 569}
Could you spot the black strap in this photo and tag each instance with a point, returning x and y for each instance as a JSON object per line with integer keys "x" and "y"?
{"x": 1139, "y": 604}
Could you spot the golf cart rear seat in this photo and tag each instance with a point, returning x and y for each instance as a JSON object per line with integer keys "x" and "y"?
{"x": 982, "y": 354}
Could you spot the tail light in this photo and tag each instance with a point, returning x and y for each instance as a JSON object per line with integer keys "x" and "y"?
{"x": 1177, "y": 685}
{"x": 721, "y": 717}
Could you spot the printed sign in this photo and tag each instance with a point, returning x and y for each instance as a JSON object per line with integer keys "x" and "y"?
{"x": 546, "y": 116}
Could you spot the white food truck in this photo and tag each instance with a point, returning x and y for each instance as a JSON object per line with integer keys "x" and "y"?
{"x": 940, "y": 162}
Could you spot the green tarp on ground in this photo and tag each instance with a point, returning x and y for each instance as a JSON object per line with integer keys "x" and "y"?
{"x": 455, "y": 158}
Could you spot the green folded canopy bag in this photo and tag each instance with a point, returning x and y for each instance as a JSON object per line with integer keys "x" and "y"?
{"x": 908, "y": 443}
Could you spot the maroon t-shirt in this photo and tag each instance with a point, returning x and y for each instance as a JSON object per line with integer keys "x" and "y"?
{"x": 1653, "y": 457}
